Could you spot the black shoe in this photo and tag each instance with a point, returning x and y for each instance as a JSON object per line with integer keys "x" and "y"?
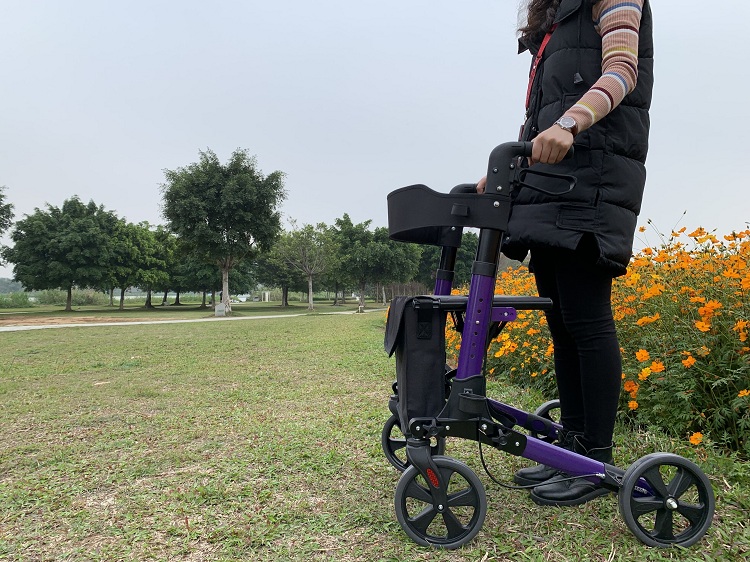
{"x": 561, "y": 491}
{"x": 541, "y": 472}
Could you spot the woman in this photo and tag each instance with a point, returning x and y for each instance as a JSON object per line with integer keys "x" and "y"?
{"x": 590, "y": 85}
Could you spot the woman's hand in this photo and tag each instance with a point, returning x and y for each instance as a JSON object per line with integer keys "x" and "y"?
{"x": 551, "y": 146}
{"x": 481, "y": 185}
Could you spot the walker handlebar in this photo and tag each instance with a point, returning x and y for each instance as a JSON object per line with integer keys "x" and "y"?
{"x": 503, "y": 167}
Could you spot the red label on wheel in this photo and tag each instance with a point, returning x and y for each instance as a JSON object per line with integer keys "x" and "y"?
{"x": 433, "y": 478}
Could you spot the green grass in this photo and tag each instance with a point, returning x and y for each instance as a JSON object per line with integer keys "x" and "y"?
{"x": 260, "y": 440}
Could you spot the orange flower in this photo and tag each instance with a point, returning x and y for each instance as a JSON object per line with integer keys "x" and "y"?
{"x": 657, "y": 367}
{"x": 744, "y": 393}
{"x": 642, "y": 355}
{"x": 703, "y": 326}
{"x": 645, "y": 372}
{"x": 633, "y": 405}
{"x": 689, "y": 362}
{"x": 630, "y": 386}
{"x": 709, "y": 309}
{"x": 696, "y": 438}
{"x": 648, "y": 319}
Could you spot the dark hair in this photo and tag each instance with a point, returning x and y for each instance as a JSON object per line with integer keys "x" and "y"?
{"x": 539, "y": 18}
{"x": 541, "y": 14}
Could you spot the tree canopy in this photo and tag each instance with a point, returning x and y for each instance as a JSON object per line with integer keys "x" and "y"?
{"x": 135, "y": 258}
{"x": 369, "y": 256}
{"x": 6, "y": 211}
{"x": 226, "y": 212}
{"x": 63, "y": 247}
{"x": 312, "y": 250}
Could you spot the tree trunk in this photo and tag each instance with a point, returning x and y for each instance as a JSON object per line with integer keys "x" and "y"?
{"x": 310, "y": 293}
{"x": 164, "y": 300}
{"x": 203, "y": 303}
{"x": 383, "y": 288}
{"x": 225, "y": 290}
{"x": 69, "y": 300}
{"x": 335, "y": 294}
{"x": 112, "y": 297}
{"x": 148, "y": 299}
{"x": 285, "y": 296}
{"x": 122, "y": 298}
{"x": 177, "y": 299}
{"x": 213, "y": 297}
{"x": 362, "y": 297}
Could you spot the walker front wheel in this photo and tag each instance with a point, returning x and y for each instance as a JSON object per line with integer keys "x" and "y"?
{"x": 394, "y": 444}
{"x": 666, "y": 500}
{"x": 444, "y": 526}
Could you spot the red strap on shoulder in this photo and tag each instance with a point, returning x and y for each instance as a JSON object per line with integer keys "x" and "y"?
{"x": 535, "y": 65}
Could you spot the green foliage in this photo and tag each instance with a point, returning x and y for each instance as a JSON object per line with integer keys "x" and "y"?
{"x": 312, "y": 250}
{"x": 15, "y": 300}
{"x": 135, "y": 259}
{"x": 430, "y": 259}
{"x": 63, "y": 247}
{"x": 79, "y": 297}
{"x": 6, "y": 211}
{"x": 369, "y": 256}
{"x": 225, "y": 212}
{"x": 684, "y": 330}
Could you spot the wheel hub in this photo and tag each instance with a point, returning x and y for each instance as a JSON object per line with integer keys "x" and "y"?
{"x": 671, "y": 504}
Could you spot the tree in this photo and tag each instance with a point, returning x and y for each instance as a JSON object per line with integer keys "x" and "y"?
{"x": 134, "y": 259}
{"x": 311, "y": 250}
{"x": 6, "y": 211}
{"x": 371, "y": 257}
{"x": 6, "y": 215}
{"x": 63, "y": 247}
{"x": 430, "y": 259}
{"x": 393, "y": 262}
{"x": 273, "y": 270}
{"x": 227, "y": 212}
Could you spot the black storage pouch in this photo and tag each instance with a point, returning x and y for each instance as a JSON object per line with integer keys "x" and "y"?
{"x": 415, "y": 332}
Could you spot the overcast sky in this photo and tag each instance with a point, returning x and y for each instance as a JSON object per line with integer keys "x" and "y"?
{"x": 350, "y": 98}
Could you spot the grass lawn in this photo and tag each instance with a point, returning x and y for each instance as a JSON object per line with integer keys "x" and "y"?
{"x": 260, "y": 440}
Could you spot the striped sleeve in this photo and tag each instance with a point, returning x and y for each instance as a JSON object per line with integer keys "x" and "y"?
{"x": 617, "y": 22}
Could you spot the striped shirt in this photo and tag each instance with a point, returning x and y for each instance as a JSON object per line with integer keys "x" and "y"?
{"x": 617, "y": 22}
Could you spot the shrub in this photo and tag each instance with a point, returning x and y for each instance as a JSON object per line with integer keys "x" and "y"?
{"x": 683, "y": 318}
{"x": 683, "y": 314}
{"x": 15, "y": 300}
{"x": 80, "y": 297}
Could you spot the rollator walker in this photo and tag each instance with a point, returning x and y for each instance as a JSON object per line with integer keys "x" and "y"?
{"x": 664, "y": 498}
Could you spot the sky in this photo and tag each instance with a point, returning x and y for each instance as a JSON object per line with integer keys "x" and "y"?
{"x": 350, "y": 99}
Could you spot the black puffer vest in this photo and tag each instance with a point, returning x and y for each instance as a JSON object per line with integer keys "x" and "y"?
{"x": 609, "y": 157}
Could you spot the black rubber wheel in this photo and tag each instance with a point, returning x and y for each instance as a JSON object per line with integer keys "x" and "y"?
{"x": 394, "y": 444}
{"x": 550, "y": 411}
{"x": 458, "y": 522}
{"x": 678, "y": 508}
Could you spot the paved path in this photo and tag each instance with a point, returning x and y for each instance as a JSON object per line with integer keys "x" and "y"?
{"x": 21, "y": 328}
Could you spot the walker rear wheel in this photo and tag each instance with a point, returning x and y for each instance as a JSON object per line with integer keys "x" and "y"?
{"x": 444, "y": 526}
{"x": 394, "y": 444}
{"x": 550, "y": 411}
{"x": 666, "y": 500}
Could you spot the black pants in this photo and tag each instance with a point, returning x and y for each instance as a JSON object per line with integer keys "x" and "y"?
{"x": 588, "y": 365}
